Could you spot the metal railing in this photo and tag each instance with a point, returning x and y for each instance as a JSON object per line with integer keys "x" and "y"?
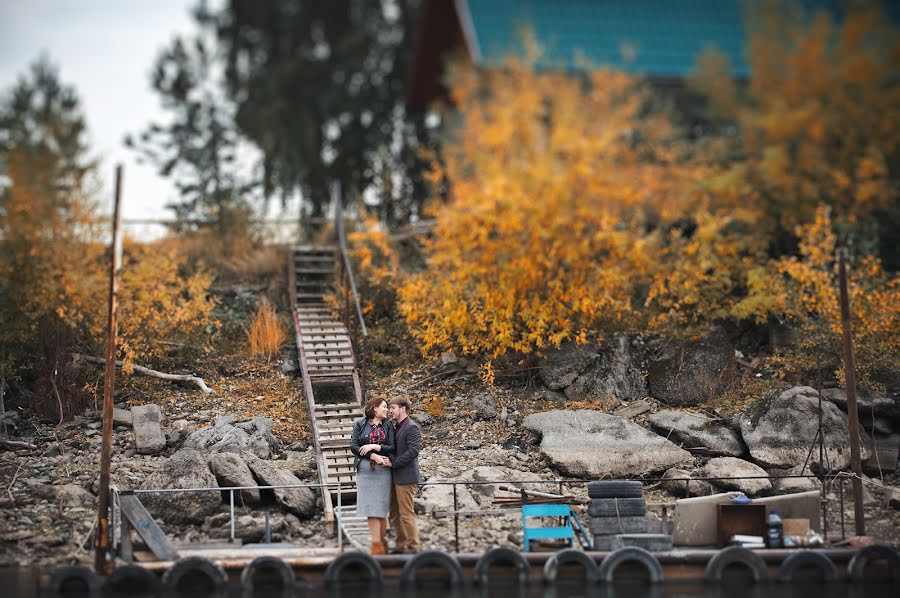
{"x": 359, "y": 334}
{"x": 337, "y": 488}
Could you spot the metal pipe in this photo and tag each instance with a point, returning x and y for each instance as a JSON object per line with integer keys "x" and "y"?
{"x": 231, "y": 509}
{"x": 102, "y": 537}
{"x": 455, "y": 519}
{"x": 852, "y": 413}
{"x": 339, "y": 516}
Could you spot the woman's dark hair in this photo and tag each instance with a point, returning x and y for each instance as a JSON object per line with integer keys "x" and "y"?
{"x": 371, "y": 404}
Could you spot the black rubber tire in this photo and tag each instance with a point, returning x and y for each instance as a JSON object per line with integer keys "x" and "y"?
{"x": 431, "y": 558}
{"x": 501, "y": 555}
{"x": 806, "y": 558}
{"x": 118, "y": 582}
{"x": 617, "y": 507}
{"x": 606, "y": 543}
{"x": 629, "y": 554}
{"x": 79, "y": 574}
{"x": 732, "y": 555}
{"x": 284, "y": 573}
{"x": 353, "y": 557}
{"x": 856, "y": 568}
{"x": 649, "y": 542}
{"x": 600, "y": 526}
{"x": 615, "y": 489}
{"x": 570, "y": 555}
{"x": 195, "y": 564}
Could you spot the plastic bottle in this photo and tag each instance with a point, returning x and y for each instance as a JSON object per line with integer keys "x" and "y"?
{"x": 774, "y": 530}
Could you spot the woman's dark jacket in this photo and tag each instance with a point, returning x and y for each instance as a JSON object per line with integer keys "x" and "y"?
{"x": 360, "y": 437}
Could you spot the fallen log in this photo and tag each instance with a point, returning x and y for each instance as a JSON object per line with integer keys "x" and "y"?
{"x": 151, "y": 373}
{"x": 15, "y": 445}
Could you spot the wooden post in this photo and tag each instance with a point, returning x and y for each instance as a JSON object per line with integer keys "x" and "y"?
{"x": 102, "y": 529}
{"x": 852, "y": 413}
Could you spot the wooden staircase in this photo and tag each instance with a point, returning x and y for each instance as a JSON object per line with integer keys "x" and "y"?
{"x": 331, "y": 382}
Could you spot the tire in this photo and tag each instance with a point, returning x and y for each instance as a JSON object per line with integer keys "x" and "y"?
{"x": 132, "y": 580}
{"x": 617, "y": 525}
{"x": 502, "y": 555}
{"x": 606, "y": 543}
{"x": 735, "y": 555}
{"x": 615, "y": 489}
{"x": 283, "y": 574}
{"x": 856, "y": 569}
{"x": 630, "y": 554}
{"x": 617, "y": 507}
{"x": 570, "y": 555}
{"x": 195, "y": 565}
{"x": 74, "y": 575}
{"x": 806, "y": 558}
{"x": 649, "y": 542}
{"x": 353, "y": 557}
{"x": 431, "y": 558}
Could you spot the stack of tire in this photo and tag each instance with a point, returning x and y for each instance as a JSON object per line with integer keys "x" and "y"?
{"x": 619, "y": 517}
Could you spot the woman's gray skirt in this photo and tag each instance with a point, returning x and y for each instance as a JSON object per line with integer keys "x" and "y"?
{"x": 373, "y": 490}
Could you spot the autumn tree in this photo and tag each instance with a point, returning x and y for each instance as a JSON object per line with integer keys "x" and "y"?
{"x": 562, "y": 190}
{"x": 817, "y": 124}
{"x": 198, "y": 145}
{"x": 46, "y": 214}
{"x": 54, "y": 266}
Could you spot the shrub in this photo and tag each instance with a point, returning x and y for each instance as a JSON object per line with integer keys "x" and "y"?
{"x": 266, "y": 333}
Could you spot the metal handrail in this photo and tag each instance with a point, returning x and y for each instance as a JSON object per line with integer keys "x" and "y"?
{"x": 360, "y": 334}
{"x": 342, "y": 243}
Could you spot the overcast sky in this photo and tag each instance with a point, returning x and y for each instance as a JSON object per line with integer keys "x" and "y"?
{"x": 105, "y": 49}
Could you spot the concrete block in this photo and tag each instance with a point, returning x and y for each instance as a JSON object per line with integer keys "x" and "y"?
{"x": 148, "y": 436}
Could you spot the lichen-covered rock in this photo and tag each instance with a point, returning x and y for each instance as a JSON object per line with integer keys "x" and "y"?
{"x": 697, "y": 433}
{"x": 687, "y": 374}
{"x": 780, "y": 429}
{"x": 185, "y": 469}
{"x": 587, "y": 443}
{"x": 732, "y": 467}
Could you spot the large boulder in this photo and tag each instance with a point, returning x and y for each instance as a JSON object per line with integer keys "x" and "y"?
{"x": 591, "y": 444}
{"x": 148, "y": 436}
{"x": 300, "y": 501}
{"x": 867, "y": 404}
{"x": 780, "y": 429}
{"x": 687, "y": 374}
{"x": 697, "y": 433}
{"x": 230, "y": 436}
{"x": 675, "y": 481}
{"x": 561, "y": 366}
{"x": 732, "y": 467}
{"x": 185, "y": 469}
{"x": 617, "y": 373}
{"x": 230, "y": 470}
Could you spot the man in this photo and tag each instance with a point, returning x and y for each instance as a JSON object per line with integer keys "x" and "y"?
{"x": 406, "y": 477}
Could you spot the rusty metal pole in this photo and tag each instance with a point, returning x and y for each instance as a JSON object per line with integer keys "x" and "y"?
{"x": 102, "y": 530}
{"x": 852, "y": 413}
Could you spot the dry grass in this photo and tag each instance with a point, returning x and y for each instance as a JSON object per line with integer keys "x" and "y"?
{"x": 266, "y": 333}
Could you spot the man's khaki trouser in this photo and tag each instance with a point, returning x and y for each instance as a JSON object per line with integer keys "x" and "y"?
{"x": 403, "y": 516}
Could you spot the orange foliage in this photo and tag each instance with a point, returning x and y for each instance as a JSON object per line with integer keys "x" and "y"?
{"x": 266, "y": 332}
{"x": 544, "y": 239}
{"x": 804, "y": 291}
{"x": 820, "y": 120}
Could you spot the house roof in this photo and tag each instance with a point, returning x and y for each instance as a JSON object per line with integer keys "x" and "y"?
{"x": 641, "y": 36}
{"x": 657, "y": 38}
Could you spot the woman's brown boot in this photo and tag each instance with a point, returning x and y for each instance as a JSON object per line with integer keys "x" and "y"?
{"x": 377, "y": 548}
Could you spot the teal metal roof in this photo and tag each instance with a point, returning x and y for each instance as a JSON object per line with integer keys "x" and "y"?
{"x": 653, "y": 37}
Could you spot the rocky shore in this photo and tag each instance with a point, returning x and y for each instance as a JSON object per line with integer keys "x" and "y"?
{"x": 549, "y": 439}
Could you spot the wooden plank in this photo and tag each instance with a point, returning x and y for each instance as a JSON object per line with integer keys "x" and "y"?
{"x": 142, "y": 522}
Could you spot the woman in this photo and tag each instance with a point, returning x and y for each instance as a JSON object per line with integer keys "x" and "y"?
{"x": 372, "y": 443}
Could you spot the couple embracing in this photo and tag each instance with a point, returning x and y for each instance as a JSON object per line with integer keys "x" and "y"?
{"x": 386, "y": 444}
